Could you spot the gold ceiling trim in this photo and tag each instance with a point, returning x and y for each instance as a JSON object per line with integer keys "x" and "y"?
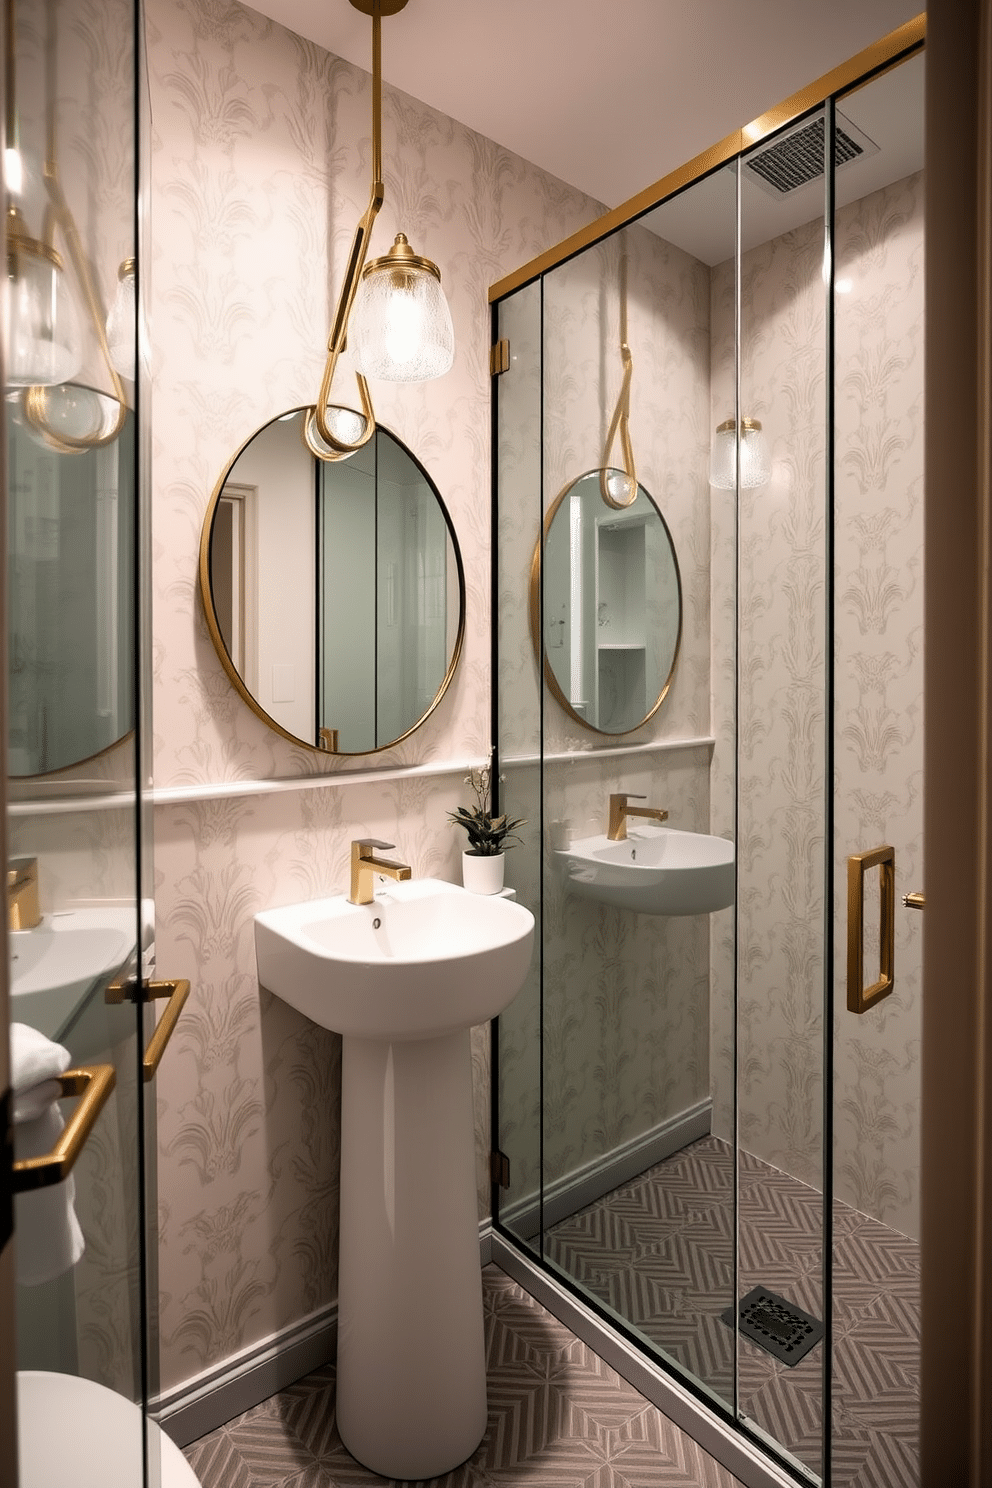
{"x": 905, "y": 39}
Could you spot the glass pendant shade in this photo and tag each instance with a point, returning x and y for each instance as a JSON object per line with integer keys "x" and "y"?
{"x": 620, "y": 487}
{"x": 122, "y": 322}
{"x": 344, "y": 423}
{"x": 755, "y": 464}
{"x": 69, "y": 416}
{"x": 41, "y": 328}
{"x": 400, "y": 327}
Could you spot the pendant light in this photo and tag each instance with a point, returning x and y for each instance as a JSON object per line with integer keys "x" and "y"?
{"x": 618, "y": 487}
{"x": 755, "y": 464}
{"x": 393, "y": 308}
{"x": 43, "y": 342}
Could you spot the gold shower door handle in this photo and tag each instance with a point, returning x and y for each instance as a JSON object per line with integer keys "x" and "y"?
{"x": 94, "y": 1083}
{"x": 859, "y": 997}
{"x": 177, "y": 993}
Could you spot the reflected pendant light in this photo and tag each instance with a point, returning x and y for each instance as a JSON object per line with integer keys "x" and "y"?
{"x": 618, "y": 487}
{"x": 755, "y": 464}
{"x": 122, "y": 321}
{"x": 42, "y": 341}
{"x": 394, "y": 309}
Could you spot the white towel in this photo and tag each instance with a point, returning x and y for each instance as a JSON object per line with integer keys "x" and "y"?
{"x": 47, "y": 1236}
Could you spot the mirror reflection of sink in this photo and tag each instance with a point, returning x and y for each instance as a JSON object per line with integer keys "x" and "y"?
{"x": 424, "y": 959}
{"x": 655, "y": 870}
{"x": 54, "y": 966}
{"x": 404, "y": 979}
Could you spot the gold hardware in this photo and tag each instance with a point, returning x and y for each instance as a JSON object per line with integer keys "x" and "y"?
{"x": 859, "y": 997}
{"x": 499, "y": 358}
{"x": 328, "y": 739}
{"x": 364, "y": 866}
{"x": 619, "y": 812}
{"x": 177, "y": 992}
{"x": 23, "y": 911}
{"x": 748, "y": 426}
{"x": 905, "y": 39}
{"x": 499, "y": 1168}
{"x": 914, "y": 901}
{"x": 94, "y": 1084}
{"x": 399, "y": 258}
{"x": 379, "y": 7}
{"x": 620, "y": 423}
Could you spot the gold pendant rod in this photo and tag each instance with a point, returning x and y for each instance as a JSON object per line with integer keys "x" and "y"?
{"x": 331, "y": 445}
{"x": 620, "y": 423}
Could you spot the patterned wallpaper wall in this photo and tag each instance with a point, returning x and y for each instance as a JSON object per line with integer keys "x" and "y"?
{"x": 878, "y": 720}
{"x": 259, "y": 173}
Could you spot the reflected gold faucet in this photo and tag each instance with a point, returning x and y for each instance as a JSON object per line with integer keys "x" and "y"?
{"x": 23, "y": 911}
{"x": 364, "y": 867}
{"x": 619, "y": 812}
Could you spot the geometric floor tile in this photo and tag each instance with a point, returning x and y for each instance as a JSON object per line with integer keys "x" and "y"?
{"x": 659, "y": 1252}
{"x": 558, "y": 1417}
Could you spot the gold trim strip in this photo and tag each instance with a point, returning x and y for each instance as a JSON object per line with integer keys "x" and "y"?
{"x": 904, "y": 39}
{"x": 859, "y": 997}
{"x": 94, "y": 1084}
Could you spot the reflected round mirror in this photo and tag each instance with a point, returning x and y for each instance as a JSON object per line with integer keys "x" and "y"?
{"x": 70, "y": 596}
{"x": 612, "y": 603}
{"x": 333, "y": 590}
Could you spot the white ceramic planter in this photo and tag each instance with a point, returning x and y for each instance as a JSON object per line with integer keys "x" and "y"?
{"x": 483, "y": 875}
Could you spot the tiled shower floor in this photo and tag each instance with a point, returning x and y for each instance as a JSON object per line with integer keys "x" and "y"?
{"x": 558, "y": 1417}
{"x": 658, "y": 1251}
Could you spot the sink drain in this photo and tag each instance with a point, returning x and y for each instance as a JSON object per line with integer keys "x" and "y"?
{"x": 779, "y": 1327}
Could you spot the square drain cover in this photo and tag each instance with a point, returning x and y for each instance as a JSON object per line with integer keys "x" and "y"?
{"x": 778, "y": 1326}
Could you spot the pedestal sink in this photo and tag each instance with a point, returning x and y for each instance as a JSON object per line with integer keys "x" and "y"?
{"x": 404, "y": 979}
{"x": 654, "y": 870}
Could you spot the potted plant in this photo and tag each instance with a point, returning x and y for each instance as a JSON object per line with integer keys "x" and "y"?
{"x": 482, "y": 860}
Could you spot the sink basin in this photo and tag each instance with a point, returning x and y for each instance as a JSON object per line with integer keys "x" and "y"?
{"x": 425, "y": 959}
{"x": 404, "y": 979}
{"x": 54, "y": 966}
{"x": 656, "y": 870}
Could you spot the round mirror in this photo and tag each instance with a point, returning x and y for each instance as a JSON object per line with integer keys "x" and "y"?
{"x": 333, "y": 590}
{"x": 70, "y": 595}
{"x": 612, "y": 602}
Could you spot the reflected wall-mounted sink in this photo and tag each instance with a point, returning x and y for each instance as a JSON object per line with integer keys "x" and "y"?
{"x": 655, "y": 870}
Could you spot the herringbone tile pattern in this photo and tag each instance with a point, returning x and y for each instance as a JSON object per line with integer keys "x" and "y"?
{"x": 659, "y": 1251}
{"x": 558, "y": 1417}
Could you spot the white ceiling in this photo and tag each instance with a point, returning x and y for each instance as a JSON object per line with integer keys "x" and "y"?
{"x": 608, "y": 95}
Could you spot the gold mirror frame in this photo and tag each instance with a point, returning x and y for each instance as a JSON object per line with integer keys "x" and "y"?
{"x": 534, "y": 607}
{"x": 329, "y": 736}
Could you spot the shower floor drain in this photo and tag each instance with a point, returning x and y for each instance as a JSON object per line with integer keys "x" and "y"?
{"x": 778, "y": 1326}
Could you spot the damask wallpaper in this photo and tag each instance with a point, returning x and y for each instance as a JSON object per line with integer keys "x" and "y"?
{"x": 878, "y": 703}
{"x": 259, "y": 173}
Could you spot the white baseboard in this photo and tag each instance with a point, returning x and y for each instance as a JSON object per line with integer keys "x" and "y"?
{"x": 211, "y": 1399}
{"x": 717, "y": 1437}
{"x": 585, "y": 1185}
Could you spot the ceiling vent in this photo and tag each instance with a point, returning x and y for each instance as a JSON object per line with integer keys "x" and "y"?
{"x": 796, "y": 158}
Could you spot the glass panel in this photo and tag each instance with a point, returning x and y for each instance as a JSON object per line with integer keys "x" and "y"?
{"x": 72, "y": 741}
{"x": 878, "y": 722}
{"x": 782, "y": 669}
{"x": 518, "y": 1072}
{"x": 639, "y": 1196}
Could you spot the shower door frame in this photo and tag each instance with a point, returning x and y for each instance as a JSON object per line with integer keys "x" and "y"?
{"x": 750, "y": 1454}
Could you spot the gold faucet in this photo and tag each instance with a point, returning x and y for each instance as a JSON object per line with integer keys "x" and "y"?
{"x": 619, "y": 812}
{"x": 23, "y": 912}
{"x": 364, "y": 867}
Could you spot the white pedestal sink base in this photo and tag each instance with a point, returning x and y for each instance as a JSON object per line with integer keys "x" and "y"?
{"x": 411, "y": 1378}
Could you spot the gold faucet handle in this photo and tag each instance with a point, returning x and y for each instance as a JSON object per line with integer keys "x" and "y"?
{"x": 363, "y": 847}
{"x": 23, "y": 908}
